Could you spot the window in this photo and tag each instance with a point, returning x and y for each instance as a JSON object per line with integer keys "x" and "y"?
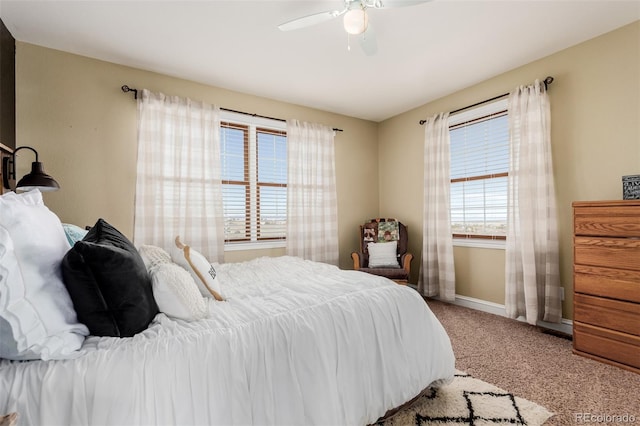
{"x": 254, "y": 180}
{"x": 479, "y": 172}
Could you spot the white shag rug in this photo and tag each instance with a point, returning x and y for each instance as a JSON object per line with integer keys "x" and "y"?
{"x": 469, "y": 401}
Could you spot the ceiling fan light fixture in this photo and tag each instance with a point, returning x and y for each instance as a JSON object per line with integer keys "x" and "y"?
{"x": 356, "y": 21}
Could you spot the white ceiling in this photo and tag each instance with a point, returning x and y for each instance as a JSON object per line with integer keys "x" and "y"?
{"x": 425, "y": 51}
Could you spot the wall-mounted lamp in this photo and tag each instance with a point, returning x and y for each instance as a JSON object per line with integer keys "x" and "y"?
{"x": 36, "y": 179}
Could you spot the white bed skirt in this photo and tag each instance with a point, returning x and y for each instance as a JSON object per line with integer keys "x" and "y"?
{"x": 296, "y": 343}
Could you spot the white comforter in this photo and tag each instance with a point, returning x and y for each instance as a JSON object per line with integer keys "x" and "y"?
{"x": 296, "y": 343}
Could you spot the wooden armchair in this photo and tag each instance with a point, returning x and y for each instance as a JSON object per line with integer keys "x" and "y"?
{"x": 382, "y": 231}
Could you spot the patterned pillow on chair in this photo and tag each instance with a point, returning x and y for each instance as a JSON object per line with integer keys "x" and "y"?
{"x": 388, "y": 231}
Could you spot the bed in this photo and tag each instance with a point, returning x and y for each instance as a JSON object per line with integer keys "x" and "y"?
{"x": 294, "y": 342}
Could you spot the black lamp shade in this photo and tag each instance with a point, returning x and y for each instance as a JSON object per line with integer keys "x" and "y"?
{"x": 37, "y": 179}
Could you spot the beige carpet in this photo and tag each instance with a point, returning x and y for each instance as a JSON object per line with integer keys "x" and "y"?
{"x": 540, "y": 367}
{"x": 469, "y": 401}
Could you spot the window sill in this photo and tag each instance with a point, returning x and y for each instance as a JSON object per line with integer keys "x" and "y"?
{"x": 480, "y": 243}
{"x": 254, "y": 245}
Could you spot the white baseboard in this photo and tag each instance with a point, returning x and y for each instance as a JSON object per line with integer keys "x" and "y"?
{"x": 566, "y": 326}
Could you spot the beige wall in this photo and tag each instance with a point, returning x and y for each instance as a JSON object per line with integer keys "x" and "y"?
{"x": 595, "y": 116}
{"x": 71, "y": 109}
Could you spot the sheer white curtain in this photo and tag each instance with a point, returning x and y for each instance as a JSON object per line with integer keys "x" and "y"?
{"x": 178, "y": 185}
{"x": 532, "y": 266}
{"x": 437, "y": 274}
{"x": 312, "y": 206}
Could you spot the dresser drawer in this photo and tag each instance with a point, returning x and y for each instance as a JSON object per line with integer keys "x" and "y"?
{"x": 607, "y": 344}
{"x": 619, "y": 284}
{"x": 607, "y": 313}
{"x": 622, "y": 253}
{"x": 607, "y": 220}
{"x": 606, "y": 281}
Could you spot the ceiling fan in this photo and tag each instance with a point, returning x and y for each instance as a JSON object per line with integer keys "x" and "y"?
{"x": 355, "y": 20}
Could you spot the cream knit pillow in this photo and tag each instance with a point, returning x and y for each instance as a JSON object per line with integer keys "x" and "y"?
{"x": 174, "y": 289}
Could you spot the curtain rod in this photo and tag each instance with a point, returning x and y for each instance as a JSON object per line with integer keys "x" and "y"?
{"x": 547, "y": 81}
{"x": 126, "y": 89}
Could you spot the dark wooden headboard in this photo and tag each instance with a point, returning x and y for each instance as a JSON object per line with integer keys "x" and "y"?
{"x": 5, "y": 151}
{"x": 7, "y": 88}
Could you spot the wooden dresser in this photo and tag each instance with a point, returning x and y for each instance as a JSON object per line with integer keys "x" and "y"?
{"x": 606, "y": 282}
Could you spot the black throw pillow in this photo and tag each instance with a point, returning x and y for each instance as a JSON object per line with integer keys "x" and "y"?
{"x": 109, "y": 283}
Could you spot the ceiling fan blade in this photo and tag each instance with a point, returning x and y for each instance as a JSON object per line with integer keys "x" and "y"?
{"x": 386, "y": 4}
{"x": 309, "y": 20}
{"x": 368, "y": 42}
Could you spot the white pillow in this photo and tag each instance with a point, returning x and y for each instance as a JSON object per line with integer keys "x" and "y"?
{"x": 383, "y": 255}
{"x": 201, "y": 270}
{"x": 174, "y": 289}
{"x": 37, "y": 319}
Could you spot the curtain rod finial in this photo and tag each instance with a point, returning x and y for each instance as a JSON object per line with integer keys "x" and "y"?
{"x": 126, "y": 89}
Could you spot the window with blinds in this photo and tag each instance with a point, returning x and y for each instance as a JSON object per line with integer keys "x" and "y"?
{"x": 254, "y": 182}
{"x": 479, "y": 170}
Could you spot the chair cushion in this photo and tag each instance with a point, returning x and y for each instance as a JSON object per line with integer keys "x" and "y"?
{"x": 391, "y": 273}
